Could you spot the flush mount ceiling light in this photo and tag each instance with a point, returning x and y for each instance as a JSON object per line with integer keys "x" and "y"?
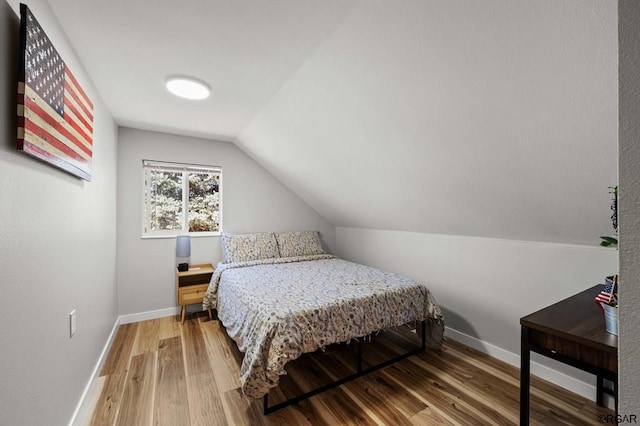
{"x": 188, "y": 88}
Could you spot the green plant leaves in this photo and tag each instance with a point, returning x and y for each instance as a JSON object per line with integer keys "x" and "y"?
{"x": 609, "y": 242}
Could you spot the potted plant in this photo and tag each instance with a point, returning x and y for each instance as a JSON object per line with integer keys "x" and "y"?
{"x": 612, "y": 241}
{"x": 608, "y": 297}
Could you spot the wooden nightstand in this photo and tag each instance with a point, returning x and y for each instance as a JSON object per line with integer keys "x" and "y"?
{"x": 191, "y": 285}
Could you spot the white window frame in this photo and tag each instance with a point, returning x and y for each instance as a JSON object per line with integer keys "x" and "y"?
{"x": 185, "y": 169}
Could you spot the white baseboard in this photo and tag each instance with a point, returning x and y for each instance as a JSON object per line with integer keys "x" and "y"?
{"x": 579, "y": 387}
{"x": 103, "y": 355}
{"x": 148, "y": 315}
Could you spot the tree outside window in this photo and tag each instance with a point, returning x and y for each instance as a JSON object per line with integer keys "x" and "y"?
{"x": 180, "y": 198}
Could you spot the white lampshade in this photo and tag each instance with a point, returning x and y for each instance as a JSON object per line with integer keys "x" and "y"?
{"x": 183, "y": 246}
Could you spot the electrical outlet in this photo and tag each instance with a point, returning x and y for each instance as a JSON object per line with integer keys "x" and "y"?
{"x": 72, "y": 323}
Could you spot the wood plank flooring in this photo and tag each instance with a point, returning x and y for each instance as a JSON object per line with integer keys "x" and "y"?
{"x": 162, "y": 372}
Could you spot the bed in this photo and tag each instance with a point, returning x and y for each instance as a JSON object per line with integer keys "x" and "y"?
{"x": 279, "y": 295}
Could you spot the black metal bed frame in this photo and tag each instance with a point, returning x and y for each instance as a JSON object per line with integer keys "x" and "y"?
{"x": 359, "y": 373}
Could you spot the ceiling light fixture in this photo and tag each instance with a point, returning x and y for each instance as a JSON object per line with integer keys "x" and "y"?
{"x": 188, "y": 88}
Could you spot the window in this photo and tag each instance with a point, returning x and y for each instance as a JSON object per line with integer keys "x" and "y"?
{"x": 181, "y": 198}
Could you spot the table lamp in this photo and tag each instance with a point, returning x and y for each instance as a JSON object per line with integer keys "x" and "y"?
{"x": 183, "y": 251}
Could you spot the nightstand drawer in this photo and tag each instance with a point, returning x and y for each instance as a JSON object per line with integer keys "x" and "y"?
{"x": 191, "y": 294}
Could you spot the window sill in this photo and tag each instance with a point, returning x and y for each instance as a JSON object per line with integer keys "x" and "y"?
{"x": 173, "y": 236}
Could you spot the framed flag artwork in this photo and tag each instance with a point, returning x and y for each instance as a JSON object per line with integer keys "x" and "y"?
{"x": 55, "y": 115}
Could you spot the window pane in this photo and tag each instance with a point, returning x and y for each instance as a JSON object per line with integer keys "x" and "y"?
{"x": 181, "y": 197}
{"x": 204, "y": 202}
{"x": 165, "y": 200}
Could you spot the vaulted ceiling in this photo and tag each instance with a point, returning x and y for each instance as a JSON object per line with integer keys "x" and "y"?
{"x": 493, "y": 118}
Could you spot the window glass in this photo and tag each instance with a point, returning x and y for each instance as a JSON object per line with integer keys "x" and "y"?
{"x": 180, "y": 198}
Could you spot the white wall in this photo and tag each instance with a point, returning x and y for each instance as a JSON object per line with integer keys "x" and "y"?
{"x": 629, "y": 157}
{"x": 486, "y": 285}
{"x": 492, "y": 118}
{"x": 58, "y": 252}
{"x": 253, "y": 200}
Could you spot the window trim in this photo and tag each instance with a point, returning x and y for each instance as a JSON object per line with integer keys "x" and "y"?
{"x": 185, "y": 168}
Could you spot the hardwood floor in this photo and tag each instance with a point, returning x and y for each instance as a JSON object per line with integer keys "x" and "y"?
{"x": 162, "y": 372}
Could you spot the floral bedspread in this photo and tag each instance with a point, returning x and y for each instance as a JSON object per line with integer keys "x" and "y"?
{"x": 277, "y": 309}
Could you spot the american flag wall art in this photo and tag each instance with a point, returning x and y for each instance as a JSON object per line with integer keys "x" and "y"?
{"x": 55, "y": 115}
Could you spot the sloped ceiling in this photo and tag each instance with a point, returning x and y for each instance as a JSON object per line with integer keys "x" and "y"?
{"x": 493, "y": 118}
{"x": 481, "y": 118}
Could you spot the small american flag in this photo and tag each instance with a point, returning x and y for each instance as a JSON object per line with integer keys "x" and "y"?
{"x": 607, "y": 295}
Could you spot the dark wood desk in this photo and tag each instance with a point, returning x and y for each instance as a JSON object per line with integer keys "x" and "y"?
{"x": 571, "y": 331}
